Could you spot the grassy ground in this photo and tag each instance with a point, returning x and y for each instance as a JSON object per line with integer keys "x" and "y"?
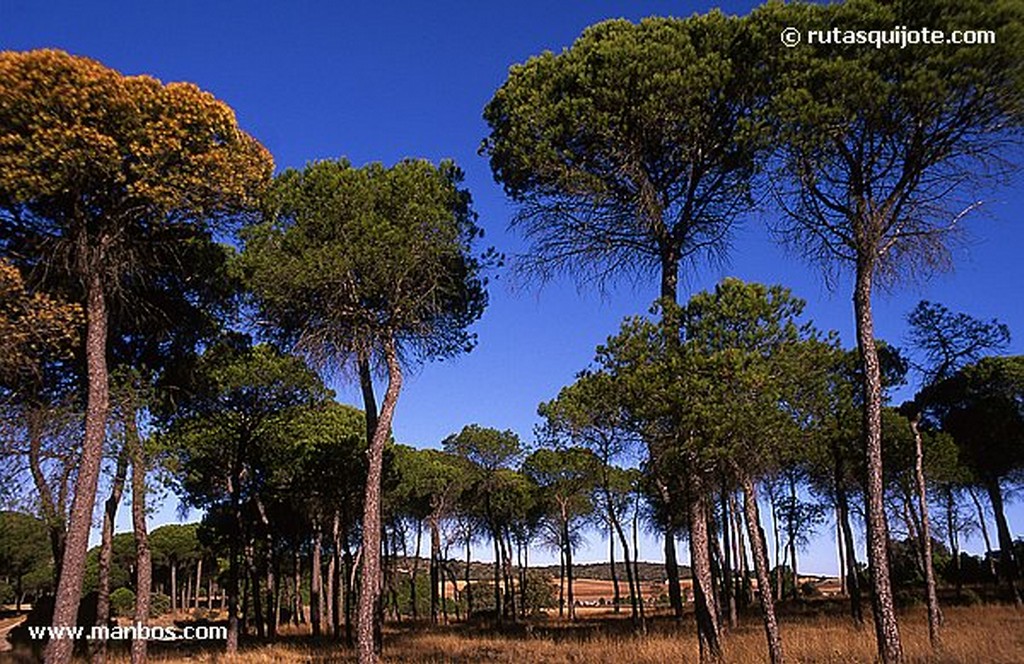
{"x": 971, "y": 634}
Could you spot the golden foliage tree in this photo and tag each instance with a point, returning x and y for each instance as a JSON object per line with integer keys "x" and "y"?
{"x": 104, "y": 179}
{"x": 32, "y": 326}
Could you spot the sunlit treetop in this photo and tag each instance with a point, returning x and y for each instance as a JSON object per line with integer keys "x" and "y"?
{"x": 349, "y": 256}
{"x": 95, "y": 165}
{"x": 635, "y": 146}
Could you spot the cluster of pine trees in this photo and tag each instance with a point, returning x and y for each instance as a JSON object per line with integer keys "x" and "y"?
{"x": 170, "y": 309}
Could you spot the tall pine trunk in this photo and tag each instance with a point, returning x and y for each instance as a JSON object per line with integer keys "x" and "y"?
{"x": 631, "y": 583}
{"x": 413, "y": 609}
{"x": 496, "y": 537}
{"x": 76, "y": 544}
{"x": 759, "y": 550}
{"x": 368, "y": 646}
{"x": 728, "y": 589}
{"x": 436, "y": 595}
{"x": 316, "y": 582}
{"x": 571, "y": 598}
{"x": 1007, "y": 561}
{"x": 143, "y": 559}
{"x": 887, "y": 633}
{"x": 852, "y": 573}
{"x": 199, "y": 582}
{"x": 336, "y": 576}
{"x": 636, "y": 563}
{"x": 954, "y": 539}
{"x": 706, "y": 613}
{"x": 616, "y": 598}
{"x": 983, "y": 523}
{"x": 934, "y": 612}
{"x": 107, "y": 550}
{"x": 468, "y": 587}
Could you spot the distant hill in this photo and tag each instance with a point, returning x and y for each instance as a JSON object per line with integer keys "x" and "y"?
{"x": 603, "y": 572}
{"x": 480, "y": 571}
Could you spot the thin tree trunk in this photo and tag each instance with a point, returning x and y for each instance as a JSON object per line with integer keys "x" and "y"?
{"x": 510, "y": 577}
{"x": 330, "y": 620}
{"x": 524, "y": 568}
{"x": 675, "y": 593}
{"x": 349, "y": 581}
{"x": 840, "y": 556}
{"x": 741, "y": 553}
{"x": 776, "y": 537}
{"x": 616, "y": 598}
{"x": 272, "y": 593}
{"x": 234, "y": 543}
{"x": 636, "y": 565}
{"x": 280, "y": 587}
{"x": 76, "y": 544}
{"x": 791, "y": 533}
{"x": 143, "y": 560}
{"x": 934, "y": 612}
{"x": 199, "y": 583}
{"x": 315, "y": 582}
{"x": 243, "y": 618}
{"x": 297, "y": 615}
{"x": 727, "y": 582}
{"x": 496, "y": 537}
{"x": 634, "y": 591}
{"x": 715, "y": 556}
{"x": 1008, "y": 563}
{"x": 989, "y": 556}
{"x": 759, "y": 551}
{"x": 413, "y": 609}
{"x": 954, "y": 539}
{"x": 568, "y": 566}
{"x": 369, "y": 591}
{"x": 706, "y": 613}
{"x": 268, "y": 563}
{"x": 53, "y": 514}
{"x": 107, "y": 550}
{"x": 435, "y": 575}
{"x": 446, "y": 570}
{"x": 336, "y": 575}
{"x": 910, "y": 518}
{"x": 257, "y": 596}
{"x": 852, "y": 573}
{"x": 469, "y": 590}
{"x": 890, "y": 646}
{"x": 448, "y": 575}
{"x": 561, "y": 577}
{"x": 174, "y": 589}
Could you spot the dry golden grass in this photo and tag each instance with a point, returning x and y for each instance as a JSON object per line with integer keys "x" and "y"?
{"x": 975, "y": 634}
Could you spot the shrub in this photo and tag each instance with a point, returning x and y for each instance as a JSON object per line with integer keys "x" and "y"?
{"x": 810, "y": 589}
{"x": 908, "y": 599}
{"x": 970, "y": 598}
{"x": 159, "y": 604}
{"x": 540, "y": 592}
{"x": 6, "y": 593}
{"x": 122, "y": 602}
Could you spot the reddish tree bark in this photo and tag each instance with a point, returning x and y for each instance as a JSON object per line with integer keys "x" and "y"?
{"x": 69, "y": 589}
{"x": 369, "y": 591}
{"x": 887, "y": 632}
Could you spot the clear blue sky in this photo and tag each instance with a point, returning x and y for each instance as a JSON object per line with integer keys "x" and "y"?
{"x": 379, "y": 81}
